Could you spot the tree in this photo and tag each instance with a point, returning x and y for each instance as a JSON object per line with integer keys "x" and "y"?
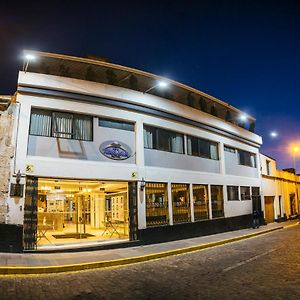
{"x": 252, "y": 126}
{"x": 228, "y": 116}
{"x": 64, "y": 71}
{"x": 111, "y": 77}
{"x": 213, "y": 110}
{"x": 133, "y": 83}
{"x": 203, "y": 104}
{"x": 90, "y": 74}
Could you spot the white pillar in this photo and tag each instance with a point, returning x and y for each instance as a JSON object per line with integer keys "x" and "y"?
{"x": 191, "y": 202}
{"x": 170, "y": 203}
{"x": 222, "y": 158}
{"x": 209, "y": 203}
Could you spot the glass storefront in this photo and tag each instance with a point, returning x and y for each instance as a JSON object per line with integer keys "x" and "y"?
{"x": 156, "y": 204}
{"x": 72, "y": 211}
{"x": 200, "y": 198}
{"x": 181, "y": 203}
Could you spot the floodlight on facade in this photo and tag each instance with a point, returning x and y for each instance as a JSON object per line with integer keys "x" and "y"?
{"x": 161, "y": 84}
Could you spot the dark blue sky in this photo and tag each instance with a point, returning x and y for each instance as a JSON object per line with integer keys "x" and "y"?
{"x": 243, "y": 52}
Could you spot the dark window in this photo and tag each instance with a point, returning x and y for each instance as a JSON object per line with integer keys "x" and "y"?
{"x": 110, "y": 123}
{"x": 61, "y": 125}
{"x": 245, "y": 193}
{"x": 268, "y": 165}
{"x": 162, "y": 139}
{"x": 229, "y": 149}
{"x": 247, "y": 158}
{"x": 232, "y": 193}
{"x": 202, "y": 148}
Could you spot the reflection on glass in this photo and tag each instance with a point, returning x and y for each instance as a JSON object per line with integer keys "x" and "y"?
{"x": 156, "y": 204}
{"x": 217, "y": 201}
{"x": 181, "y": 203}
{"x": 200, "y": 198}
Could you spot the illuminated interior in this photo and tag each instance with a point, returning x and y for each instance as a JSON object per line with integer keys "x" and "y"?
{"x": 72, "y": 211}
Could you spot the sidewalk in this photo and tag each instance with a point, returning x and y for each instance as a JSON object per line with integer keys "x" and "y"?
{"x": 42, "y": 263}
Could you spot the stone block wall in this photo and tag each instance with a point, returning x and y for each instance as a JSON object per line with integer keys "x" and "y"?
{"x": 6, "y": 154}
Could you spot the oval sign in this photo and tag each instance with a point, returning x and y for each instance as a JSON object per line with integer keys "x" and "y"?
{"x": 115, "y": 150}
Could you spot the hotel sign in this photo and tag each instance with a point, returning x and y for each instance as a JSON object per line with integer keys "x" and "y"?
{"x": 115, "y": 150}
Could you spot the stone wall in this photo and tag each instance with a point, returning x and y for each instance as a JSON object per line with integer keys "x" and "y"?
{"x": 6, "y": 153}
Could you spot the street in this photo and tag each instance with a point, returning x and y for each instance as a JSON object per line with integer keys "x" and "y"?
{"x": 264, "y": 267}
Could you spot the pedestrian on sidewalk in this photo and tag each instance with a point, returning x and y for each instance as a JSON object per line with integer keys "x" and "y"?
{"x": 255, "y": 223}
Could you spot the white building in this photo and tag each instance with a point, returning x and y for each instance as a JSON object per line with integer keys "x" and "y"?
{"x": 280, "y": 191}
{"x": 107, "y": 154}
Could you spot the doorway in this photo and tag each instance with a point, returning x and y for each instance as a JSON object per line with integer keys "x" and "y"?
{"x": 79, "y": 211}
{"x": 269, "y": 209}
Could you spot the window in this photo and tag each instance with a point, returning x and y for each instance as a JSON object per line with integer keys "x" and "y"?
{"x": 217, "y": 201}
{"x": 202, "y": 148}
{"x": 247, "y": 158}
{"x": 245, "y": 193}
{"x": 200, "y": 198}
{"x": 162, "y": 139}
{"x": 233, "y": 193}
{"x": 268, "y": 165}
{"x": 181, "y": 203}
{"x": 156, "y": 204}
{"x": 229, "y": 149}
{"x": 61, "y": 125}
{"x": 110, "y": 123}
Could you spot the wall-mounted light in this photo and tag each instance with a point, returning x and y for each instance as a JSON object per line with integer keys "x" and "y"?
{"x": 142, "y": 184}
{"x": 161, "y": 84}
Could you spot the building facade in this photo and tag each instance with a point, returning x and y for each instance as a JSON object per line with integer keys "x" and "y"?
{"x": 280, "y": 191}
{"x": 104, "y": 155}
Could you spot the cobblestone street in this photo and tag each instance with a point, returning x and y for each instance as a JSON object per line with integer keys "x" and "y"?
{"x": 264, "y": 267}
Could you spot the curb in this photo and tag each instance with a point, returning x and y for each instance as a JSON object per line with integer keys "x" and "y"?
{"x": 125, "y": 261}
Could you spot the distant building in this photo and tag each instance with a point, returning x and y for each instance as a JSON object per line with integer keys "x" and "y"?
{"x": 106, "y": 154}
{"x": 280, "y": 191}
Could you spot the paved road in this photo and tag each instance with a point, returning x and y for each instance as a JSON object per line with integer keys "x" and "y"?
{"x": 264, "y": 267}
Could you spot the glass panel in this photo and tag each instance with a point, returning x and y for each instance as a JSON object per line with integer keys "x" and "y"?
{"x": 40, "y": 123}
{"x": 72, "y": 211}
{"x": 156, "y": 204}
{"x": 201, "y": 147}
{"x": 233, "y": 193}
{"x": 149, "y": 137}
{"x": 217, "y": 201}
{"x": 83, "y": 128}
{"x": 62, "y": 125}
{"x": 163, "y": 140}
{"x": 245, "y": 193}
{"x": 200, "y": 198}
{"x": 110, "y": 123}
{"x": 181, "y": 203}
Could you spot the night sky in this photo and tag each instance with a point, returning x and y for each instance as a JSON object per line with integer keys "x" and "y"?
{"x": 243, "y": 52}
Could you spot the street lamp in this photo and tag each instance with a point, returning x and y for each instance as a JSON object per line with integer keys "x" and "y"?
{"x": 161, "y": 84}
{"x": 273, "y": 134}
{"x": 243, "y": 117}
{"x": 28, "y": 57}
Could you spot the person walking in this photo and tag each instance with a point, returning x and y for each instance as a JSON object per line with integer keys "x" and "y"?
{"x": 255, "y": 223}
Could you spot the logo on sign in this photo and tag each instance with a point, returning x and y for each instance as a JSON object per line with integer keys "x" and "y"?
{"x": 115, "y": 150}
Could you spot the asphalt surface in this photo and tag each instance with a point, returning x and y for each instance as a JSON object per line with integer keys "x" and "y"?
{"x": 263, "y": 267}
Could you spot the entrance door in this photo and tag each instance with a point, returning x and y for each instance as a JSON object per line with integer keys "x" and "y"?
{"x": 269, "y": 208}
